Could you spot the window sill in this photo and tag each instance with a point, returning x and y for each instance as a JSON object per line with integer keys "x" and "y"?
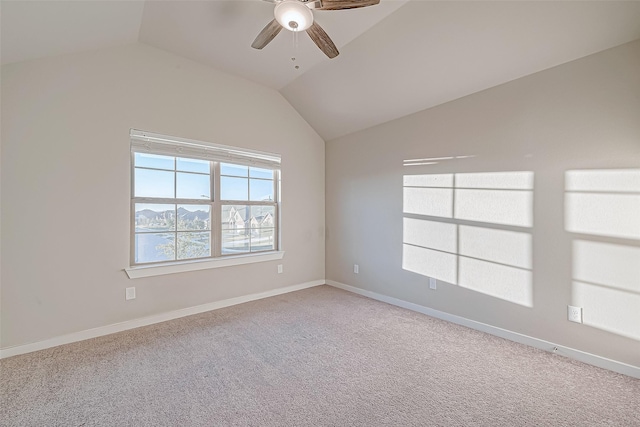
{"x": 180, "y": 267}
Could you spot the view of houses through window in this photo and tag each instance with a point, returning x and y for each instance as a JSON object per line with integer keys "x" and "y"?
{"x": 186, "y": 208}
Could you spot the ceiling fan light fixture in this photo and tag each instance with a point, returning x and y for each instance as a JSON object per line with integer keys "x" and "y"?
{"x": 293, "y": 15}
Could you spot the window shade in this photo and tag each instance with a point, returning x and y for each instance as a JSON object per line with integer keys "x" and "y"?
{"x": 147, "y": 142}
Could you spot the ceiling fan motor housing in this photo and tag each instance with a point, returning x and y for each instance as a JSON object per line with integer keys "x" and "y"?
{"x": 293, "y": 15}
{"x": 296, "y": 15}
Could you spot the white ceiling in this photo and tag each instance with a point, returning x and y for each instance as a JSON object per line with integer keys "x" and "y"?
{"x": 396, "y": 58}
{"x": 219, "y": 33}
{"x": 429, "y": 53}
{"x": 36, "y": 29}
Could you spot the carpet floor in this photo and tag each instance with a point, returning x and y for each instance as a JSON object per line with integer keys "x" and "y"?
{"x": 317, "y": 357}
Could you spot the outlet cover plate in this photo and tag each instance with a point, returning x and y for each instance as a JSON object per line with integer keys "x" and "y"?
{"x": 432, "y": 283}
{"x": 356, "y": 268}
{"x": 574, "y": 314}
{"x": 130, "y": 293}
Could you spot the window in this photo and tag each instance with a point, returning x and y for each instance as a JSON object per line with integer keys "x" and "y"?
{"x": 248, "y": 209}
{"x": 198, "y": 201}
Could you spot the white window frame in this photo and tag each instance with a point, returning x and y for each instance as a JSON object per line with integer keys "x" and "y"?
{"x": 147, "y": 142}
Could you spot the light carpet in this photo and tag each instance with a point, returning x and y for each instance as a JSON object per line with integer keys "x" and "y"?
{"x": 316, "y": 357}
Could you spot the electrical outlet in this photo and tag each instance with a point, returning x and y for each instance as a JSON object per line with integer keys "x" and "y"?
{"x": 356, "y": 268}
{"x": 432, "y": 283}
{"x": 279, "y": 268}
{"x": 130, "y": 293}
{"x": 574, "y": 314}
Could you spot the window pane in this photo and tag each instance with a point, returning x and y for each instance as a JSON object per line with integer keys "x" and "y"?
{"x": 235, "y": 241}
{"x": 154, "y": 218}
{"x": 194, "y": 245}
{"x": 153, "y": 183}
{"x": 262, "y": 239}
{"x": 192, "y": 165}
{"x": 263, "y": 216}
{"x": 154, "y": 247}
{"x": 235, "y": 217}
{"x": 194, "y": 217}
{"x": 153, "y": 161}
{"x": 193, "y": 186}
{"x": 234, "y": 188}
{"x": 260, "y": 173}
{"x": 261, "y": 189}
{"x": 234, "y": 170}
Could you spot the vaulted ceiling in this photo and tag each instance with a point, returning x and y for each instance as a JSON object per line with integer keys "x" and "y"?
{"x": 397, "y": 58}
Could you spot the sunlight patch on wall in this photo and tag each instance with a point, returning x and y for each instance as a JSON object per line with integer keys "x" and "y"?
{"x": 606, "y": 283}
{"x": 431, "y": 234}
{"x": 491, "y": 261}
{"x": 521, "y": 180}
{"x": 433, "y": 180}
{"x": 430, "y": 249}
{"x": 429, "y": 201}
{"x": 496, "y": 263}
{"x": 501, "y": 246}
{"x": 500, "y": 281}
{"x": 495, "y": 206}
{"x": 613, "y": 180}
{"x": 603, "y": 202}
{"x": 613, "y": 215}
{"x": 606, "y": 276}
{"x": 433, "y": 160}
{"x": 430, "y": 263}
{"x": 430, "y": 195}
{"x": 497, "y": 197}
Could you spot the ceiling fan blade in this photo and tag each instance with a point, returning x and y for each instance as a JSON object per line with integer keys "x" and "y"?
{"x": 322, "y": 40}
{"x": 266, "y": 35}
{"x": 346, "y": 4}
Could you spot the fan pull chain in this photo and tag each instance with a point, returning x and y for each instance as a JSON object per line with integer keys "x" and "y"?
{"x": 295, "y": 48}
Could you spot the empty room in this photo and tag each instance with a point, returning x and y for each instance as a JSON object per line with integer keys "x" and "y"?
{"x": 319, "y": 213}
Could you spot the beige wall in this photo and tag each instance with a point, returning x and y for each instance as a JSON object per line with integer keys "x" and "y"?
{"x": 65, "y": 149}
{"x": 66, "y": 185}
{"x": 581, "y": 116}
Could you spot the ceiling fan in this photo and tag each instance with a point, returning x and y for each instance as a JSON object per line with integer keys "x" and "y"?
{"x": 297, "y": 15}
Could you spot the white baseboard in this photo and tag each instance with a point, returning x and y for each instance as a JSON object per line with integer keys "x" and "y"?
{"x": 591, "y": 359}
{"x": 150, "y": 320}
